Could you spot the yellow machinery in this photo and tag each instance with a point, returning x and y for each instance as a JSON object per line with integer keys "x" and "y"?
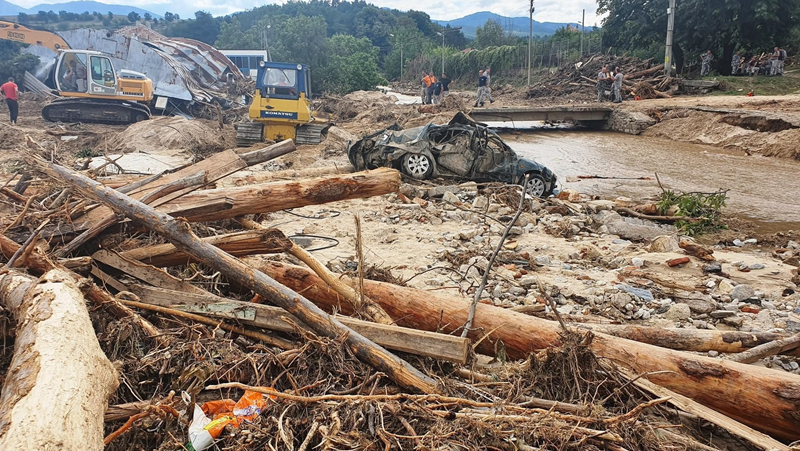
{"x": 89, "y": 87}
{"x": 281, "y": 107}
{"x": 91, "y": 90}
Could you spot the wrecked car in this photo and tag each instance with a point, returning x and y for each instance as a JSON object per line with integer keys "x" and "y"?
{"x": 462, "y": 148}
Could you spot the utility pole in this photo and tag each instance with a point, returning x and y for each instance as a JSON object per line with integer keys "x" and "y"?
{"x": 583, "y": 30}
{"x": 530, "y": 42}
{"x": 401, "y": 61}
{"x": 670, "y": 30}
{"x": 442, "y": 51}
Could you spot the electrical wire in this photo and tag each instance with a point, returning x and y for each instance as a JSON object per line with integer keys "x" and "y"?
{"x": 334, "y": 241}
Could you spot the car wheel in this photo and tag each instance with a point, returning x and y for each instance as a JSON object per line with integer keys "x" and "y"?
{"x": 535, "y": 185}
{"x": 418, "y": 166}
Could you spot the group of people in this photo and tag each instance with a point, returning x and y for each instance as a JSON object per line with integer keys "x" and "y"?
{"x": 765, "y": 64}
{"x": 484, "y": 87}
{"x": 615, "y": 79}
{"x": 433, "y": 89}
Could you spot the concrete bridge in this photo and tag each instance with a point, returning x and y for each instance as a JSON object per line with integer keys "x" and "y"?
{"x": 577, "y": 113}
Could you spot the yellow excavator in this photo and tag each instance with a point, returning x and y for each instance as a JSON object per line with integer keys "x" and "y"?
{"x": 281, "y": 107}
{"x": 90, "y": 89}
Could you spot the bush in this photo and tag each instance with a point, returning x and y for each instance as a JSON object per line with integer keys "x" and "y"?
{"x": 14, "y": 64}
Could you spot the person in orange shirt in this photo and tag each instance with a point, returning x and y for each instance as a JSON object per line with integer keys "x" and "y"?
{"x": 427, "y": 81}
{"x": 10, "y": 90}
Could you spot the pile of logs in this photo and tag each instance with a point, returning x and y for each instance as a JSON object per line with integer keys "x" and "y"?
{"x": 59, "y": 369}
{"x": 641, "y": 78}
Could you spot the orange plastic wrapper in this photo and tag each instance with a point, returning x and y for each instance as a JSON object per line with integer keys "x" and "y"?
{"x": 224, "y": 412}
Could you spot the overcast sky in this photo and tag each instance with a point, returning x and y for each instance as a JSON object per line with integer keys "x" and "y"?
{"x": 546, "y": 10}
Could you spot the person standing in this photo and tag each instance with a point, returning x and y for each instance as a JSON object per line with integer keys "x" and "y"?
{"x": 481, "y": 97}
{"x": 735, "y": 62}
{"x": 774, "y": 62}
{"x": 781, "y": 61}
{"x": 602, "y": 80}
{"x": 488, "y": 74}
{"x": 617, "y": 85}
{"x": 10, "y": 91}
{"x": 431, "y": 87}
{"x": 445, "y": 84}
{"x": 705, "y": 66}
{"x": 437, "y": 92}
{"x": 424, "y": 87}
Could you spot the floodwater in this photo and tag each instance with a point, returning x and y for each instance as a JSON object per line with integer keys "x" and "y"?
{"x": 763, "y": 190}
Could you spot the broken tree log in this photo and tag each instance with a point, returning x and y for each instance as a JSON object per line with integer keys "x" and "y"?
{"x": 215, "y": 167}
{"x": 239, "y": 244}
{"x": 762, "y": 398}
{"x": 59, "y": 380}
{"x": 277, "y": 196}
{"x": 179, "y": 234}
{"x": 428, "y": 344}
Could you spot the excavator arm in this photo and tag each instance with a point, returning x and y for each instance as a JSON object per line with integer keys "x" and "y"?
{"x": 11, "y": 31}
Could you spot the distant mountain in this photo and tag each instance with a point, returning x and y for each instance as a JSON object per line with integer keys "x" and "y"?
{"x": 10, "y": 9}
{"x": 516, "y": 25}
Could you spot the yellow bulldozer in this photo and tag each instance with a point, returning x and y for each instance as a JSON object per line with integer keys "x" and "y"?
{"x": 281, "y": 107}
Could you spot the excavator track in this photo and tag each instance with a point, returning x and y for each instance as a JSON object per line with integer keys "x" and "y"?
{"x": 100, "y": 111}
{"x": 249, "y": 133}
{"x": 310, "y": 133}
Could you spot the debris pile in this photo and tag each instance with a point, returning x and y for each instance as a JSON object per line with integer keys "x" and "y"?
{"x": 213, "y": 341}
{"x": 578, "y": 81}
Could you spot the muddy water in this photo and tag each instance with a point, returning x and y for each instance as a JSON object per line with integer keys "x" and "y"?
{"x": 764, "y": 190}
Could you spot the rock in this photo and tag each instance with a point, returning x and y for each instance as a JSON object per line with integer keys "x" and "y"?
{"x": 542, "y": 260}
{"x": 631, "y": 228}
{"x": 751, "y": 241}
{"x": 713, "y": 268}
{"x": 792, "y": 245}
{"x": 637, "y": 262}
{"x": 528, "y": 281}
{"x": 696, "y": 249}
{"x": 525, "y": 219}
{"x": 794, "y": 365}
{"x": 600, "y": 205}
{"x": 734, "y": 321}
{"x": 467, "y": 234}
{"x": 700, "y": 303}
{"x": 664, "y": 243}
{"x": 564, "y": 309}
{"x": 620, "y": 300}
{"x": 515, "y": 230}
{"x": 677, "y": 261}
{"x": 409, "y": 190}
{"x": 450, "y": 197}
{"x": 756, "y": 266}
{"x": 480, "y": 203}
{"x": 719, "y": 314}
{"x": 480, "y": 262}
{"x": 678, "y": 312}
{"x": 640, "y": 293}
{"x": 742, "y": 292}
{"x": 497, "y": 292}
{"x": 725, "y": 286}
{"x": 569, "y": 195}
{"x": 713, "y": 353}
{"x": 738, "y": 243}
{"x": 768, "y": 305}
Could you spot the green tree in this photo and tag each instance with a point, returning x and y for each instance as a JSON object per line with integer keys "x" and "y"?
{"x": 352, "y": 65}
{"x": 489, "y": 35}
{"x": 15, "y": 64}
{"x": 721, "y": 26}
{"x": 300, "y": 39}
{"x": 133, "y": 16}
{"x": 204, "y": 27}
{"x": 231, "y": 36}
{"x": 110, "y": 16}
{"x": 412, "y": 42}
{"x": 22, "y": 18}
{"x": 148, "y": 16}
{"x": 169, "y": 17}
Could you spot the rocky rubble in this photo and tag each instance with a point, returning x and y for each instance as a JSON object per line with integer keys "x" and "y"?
{"x": 595, "y": 264}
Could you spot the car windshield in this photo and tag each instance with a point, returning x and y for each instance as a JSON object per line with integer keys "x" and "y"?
{"x": 274, "y": 77}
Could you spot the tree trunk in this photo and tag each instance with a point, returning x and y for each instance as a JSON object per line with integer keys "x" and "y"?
{"x": 179, "y": 234}
{"x": 765, "y": 399}
{"x": 239, "y": 244}
{"x": 276, "y": 196}
{"x": 59, "y": 381}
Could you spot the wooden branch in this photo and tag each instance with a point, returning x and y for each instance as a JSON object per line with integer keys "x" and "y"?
{"x": 372, "y": 310}
{"x": 759, "y": 397}
{"x": 636, "y": 214}
{"x": 736, "y": 428}
{"x": 179, "y": 234}
{"x": 277, "y": 196}
{"x": 268, "y": 339}
{"x": 428, "y": 344}
{"x": 58, "y": 375}
{"x": 268, "y": 153}
{"x": 144, "y": 272}
{"x": 767, "y": 349}
{"x": 239, "y": 244}
{"x": 164, "y": 190}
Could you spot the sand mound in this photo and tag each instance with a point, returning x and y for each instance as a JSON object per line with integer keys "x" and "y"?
{"x": 170, "y": 134}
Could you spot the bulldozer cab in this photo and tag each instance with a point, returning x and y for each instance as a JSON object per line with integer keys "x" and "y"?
{"x": 85, "y": 72}
{"x": 284, "y": 81}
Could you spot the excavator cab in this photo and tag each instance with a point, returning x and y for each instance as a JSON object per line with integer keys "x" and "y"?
{"x": 91, "y": 90}
{"x": 281, "y": 107}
